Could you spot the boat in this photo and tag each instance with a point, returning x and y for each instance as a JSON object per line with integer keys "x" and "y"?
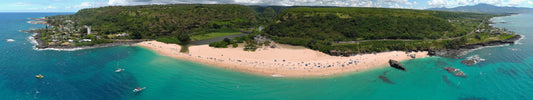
{"x": 39, "y": 76}
{"x": 138, "y": 89}
{"x": 10, "y": 40}
{"x": 119, "y": 70}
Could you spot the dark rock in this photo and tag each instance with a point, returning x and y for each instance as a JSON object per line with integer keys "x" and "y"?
{"x": 459, "y": 52}
{"x": 472, "y": 60}
{"x": 468, "y": 62}
{"x": 432, "y": 53}
{"x": 455, "y": 72}
{"x": 396, "y": 64}
{"x": 460, "y": 74}
{"x": 385, "y": 79}
{"x": 450, "y": 69}
{"x": 477, "y": 37}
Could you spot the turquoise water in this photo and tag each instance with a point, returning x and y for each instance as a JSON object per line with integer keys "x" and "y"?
{"x": 89, "y": 74}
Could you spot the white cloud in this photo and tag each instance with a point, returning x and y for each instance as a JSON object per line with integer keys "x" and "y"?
{"x": 440, "y": 3}
{"x": 117, "y": 2}
{"x": 90, "y": 5}
{"x": 83, "y": 5}
{"x": 26, "y": 4}
{"x": 49, "y": 7}
{"x": 529, "y": 2}
{"x": 515, "y": 2}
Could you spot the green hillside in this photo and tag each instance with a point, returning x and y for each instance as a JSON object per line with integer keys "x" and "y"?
{"x": 373, "y": 29}
{"x": 168, "y": 22}
{"x": 330, "y": 30}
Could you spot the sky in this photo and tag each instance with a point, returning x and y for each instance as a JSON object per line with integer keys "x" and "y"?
{"x": 75, "y": 5}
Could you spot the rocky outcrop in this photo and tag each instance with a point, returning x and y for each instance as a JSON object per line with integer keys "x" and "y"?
{"x": 472, "y": 60}
{"x": 455, "y": 71}
{"x": 396, "y": 64}
{"x": 468, "y": 62}
{"x": 461, "y": 51}
{"x": 412, "y": 55}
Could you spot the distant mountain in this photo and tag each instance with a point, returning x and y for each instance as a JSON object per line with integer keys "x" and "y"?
{"x": 486, "y": 8}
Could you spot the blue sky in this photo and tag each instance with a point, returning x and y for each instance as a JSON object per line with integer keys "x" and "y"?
{"x": 75, "y": 5}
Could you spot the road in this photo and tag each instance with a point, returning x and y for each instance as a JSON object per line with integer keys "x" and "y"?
{"x": 353, "y": 42}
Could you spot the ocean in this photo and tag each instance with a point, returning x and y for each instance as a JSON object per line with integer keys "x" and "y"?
{"x": 89, "y": 74}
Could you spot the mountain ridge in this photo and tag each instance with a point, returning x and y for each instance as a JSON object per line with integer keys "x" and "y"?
{"x": 486, "y": 8}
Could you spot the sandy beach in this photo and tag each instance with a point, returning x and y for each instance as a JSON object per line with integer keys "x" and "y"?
{"x": 285, "y": 60}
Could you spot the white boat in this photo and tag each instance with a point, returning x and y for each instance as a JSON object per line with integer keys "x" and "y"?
{"x": 119, "y": 70}
{"x": 10, "y": 40}
{"x": 138, "y": 89}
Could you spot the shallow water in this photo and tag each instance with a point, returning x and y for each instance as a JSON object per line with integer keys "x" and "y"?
{"x": 89, "y": 74}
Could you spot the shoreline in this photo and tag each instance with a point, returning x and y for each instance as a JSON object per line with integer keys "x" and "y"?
{"x": 280, "y": 62}
{"x": 39, "y": 44}
{"x": 463, "y": 50}
{"x": 303, "y": 61}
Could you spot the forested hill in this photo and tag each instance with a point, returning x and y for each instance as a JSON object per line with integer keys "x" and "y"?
{"x": 327, "y": 29}
{"x": 318, "y": 28}
{"x": 342, "y": 24}
{"x": 156, "y": 21}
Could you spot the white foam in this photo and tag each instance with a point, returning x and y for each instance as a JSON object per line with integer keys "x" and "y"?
{"x": 476, "y": 58}
{"x": 518, "y": 41}
{"x": 277, "y": 75}
{"x": 58, "y": 49}
{"x": 464, "y": 53}
{"x": 33, "y": 41}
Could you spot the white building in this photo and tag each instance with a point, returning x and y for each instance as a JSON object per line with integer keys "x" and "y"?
{"x": 88, "y": 29}
{"x": 122, "y": 34}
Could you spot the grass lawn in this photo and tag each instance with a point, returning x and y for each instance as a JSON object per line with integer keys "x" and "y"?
{"x": 212, "y": 35}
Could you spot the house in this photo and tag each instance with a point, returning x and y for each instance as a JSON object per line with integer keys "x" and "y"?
{"x": 122, "y": 34}
{"x": 85, "y": 40}
{"x": 88, "y": 40}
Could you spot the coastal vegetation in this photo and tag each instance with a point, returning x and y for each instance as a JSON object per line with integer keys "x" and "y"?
{"x": 248, "y": 40}
{"x": 165, "y": 23}
{"x": 332, "y": 30}
{"x": 344, "y": 31}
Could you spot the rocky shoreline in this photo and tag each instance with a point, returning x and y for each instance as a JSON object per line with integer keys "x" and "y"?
{"x": 461, "y": 51}
{"x": 41, "y": 44}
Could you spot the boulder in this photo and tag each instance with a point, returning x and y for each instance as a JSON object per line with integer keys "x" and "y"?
{"x": 472, "y": 60}
{"x": 413, "y": 55}
{"x": 468, "y": 62}
{"x": 432, "y": 52}
{"x": 396, "y": 64}
{"x": 455, "y": 71}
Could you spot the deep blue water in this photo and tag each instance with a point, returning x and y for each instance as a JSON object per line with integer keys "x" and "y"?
{"x": 89, "y": 74}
